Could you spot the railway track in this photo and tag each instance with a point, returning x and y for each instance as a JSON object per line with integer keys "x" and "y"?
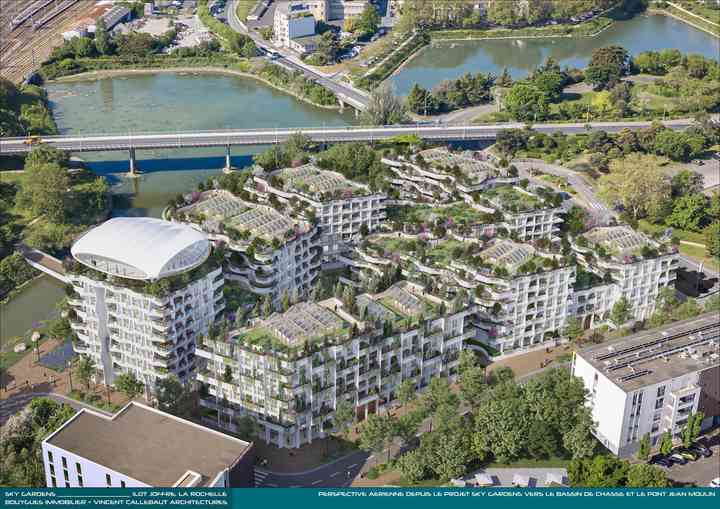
{"x": 25, "y": 47}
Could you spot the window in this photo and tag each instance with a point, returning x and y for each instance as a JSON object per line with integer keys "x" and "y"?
{"x": 65, "y": 474}
{"x": 108, "y": 481}
{"x": 52, "y": 469}
{"x": 659, "y": 403}
{"x": 50, "y": 457}
{"x": 67, "y": 484}
{"x": 122, "y": 484}
{"x": 80, "y": 482}
{"x": 53, "y": 481}
{"x": 661, "y": 391}
{"x": 64, "y": 462}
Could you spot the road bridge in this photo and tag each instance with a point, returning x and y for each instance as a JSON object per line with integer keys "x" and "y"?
{"x": 234, "y": 137}
{"x": 44, "y": 262}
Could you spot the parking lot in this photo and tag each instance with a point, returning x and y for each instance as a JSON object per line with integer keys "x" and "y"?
{"x": 699, "y": 472}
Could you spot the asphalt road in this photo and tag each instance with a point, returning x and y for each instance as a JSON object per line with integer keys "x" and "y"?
{"x": 340, "y": 473}
{"x": 15, "y": 403}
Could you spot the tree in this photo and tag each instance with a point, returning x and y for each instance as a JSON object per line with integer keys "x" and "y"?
{"x": 473, "y": 385}
{"x": 712, "y": 239}
{"x": 602, "y": 471}
{"x": 666, "y": 443}
{"x": 246, "y": 427}
{"x": 644, "y": 450}
{"x": 384, "y": 107}
{"x": 173, "y": 397}
{"x": 689, "y": 212}
{"x": 419, "y": 100}
{"x": 573, "y": 329}
{"x": 541, "y": 441}
{"x": 376, "y": 433}
{"x": 413, "y": 465}
{"x": 687, "y": 182}
{"x": 692, "y": 428}
{"x": 643, "y": 475}
{"x": 406, "y": 392}
{"x": 344, "y": 417}
{"x": 447, "y": 452}
{"x": 369, "y": 21}
{"x": 85, "y": 370}
{"x": 327, "y": 48}
{"x": 607, "y": 65}
{"x": 227, "y": 375}
{"x": 621, "y": 311}
{"x": 636, "y": 183}
{"x": 128, "y": 384}
{"x": 83, "y": 47}
{"x": 44, "y": 185}
{"x": 103, "y": 44}
{"x": 575, "y": 220}
{"x": 579, "y": 441}
{"x": 500, "y": 429}
{"x": 526, "y": 102}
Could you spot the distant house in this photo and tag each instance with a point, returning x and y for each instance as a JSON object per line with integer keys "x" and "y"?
{"x": 292, "y": 21}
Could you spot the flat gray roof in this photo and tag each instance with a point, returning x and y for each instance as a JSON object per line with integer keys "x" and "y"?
{"x": 650, "y": 357}
{"x": 149, "y": 445}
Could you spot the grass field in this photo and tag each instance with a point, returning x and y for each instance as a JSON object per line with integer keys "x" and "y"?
{"x": 700, "y": 254}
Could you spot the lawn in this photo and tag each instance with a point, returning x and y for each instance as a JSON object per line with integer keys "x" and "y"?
{"x": 243, "y": 9}
{"x": 701, "y": 255}
{"x": 551, "y": 462}
{"x": 650, "y": 228}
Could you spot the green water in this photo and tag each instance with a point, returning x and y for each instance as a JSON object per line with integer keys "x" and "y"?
{"x": 448, "y": 60}
{"x": 35, "y": 302}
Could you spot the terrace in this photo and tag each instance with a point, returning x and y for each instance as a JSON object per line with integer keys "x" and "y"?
{"x": 311, "y": 180}
{"x": 221, "y": 211}
{"x": 458, "y": 215}
{"x": 516, "y": 258}
{"x": 466, "y": 166}
{"x": 620, "y": 244}
{"x": 514, "y": 199}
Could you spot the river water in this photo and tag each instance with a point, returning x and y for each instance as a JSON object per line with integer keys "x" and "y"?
{"x": 448, "y": 60}
{"x": 172, "y": 102}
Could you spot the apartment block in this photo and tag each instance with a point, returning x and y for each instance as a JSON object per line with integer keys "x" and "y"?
{"x": 290, "y": 370}
{"x": 651, "y": 382}
{"x": 143, "y": 291}
{"x": 292, "y": 20}
{"x": 333, "y": 10}
{"x": 341, "y": 207}
{"x": 620, "y": 262}
{"x": 272, "y": 253}
{"x": 139, "y": 447}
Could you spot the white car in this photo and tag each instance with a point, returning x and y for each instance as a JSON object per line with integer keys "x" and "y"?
{"x": 715, "y": 483}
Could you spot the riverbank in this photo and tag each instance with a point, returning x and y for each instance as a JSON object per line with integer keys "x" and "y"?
{"x": 688, "y": 18}
{"x": 136, "y": 71}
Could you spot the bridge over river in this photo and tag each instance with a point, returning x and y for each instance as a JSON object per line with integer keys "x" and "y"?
{"x": 233, "y": 137}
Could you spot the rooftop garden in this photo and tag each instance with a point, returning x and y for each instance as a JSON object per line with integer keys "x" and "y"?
{"x": 512, "y": 199}
{"x": 458, "y": 214}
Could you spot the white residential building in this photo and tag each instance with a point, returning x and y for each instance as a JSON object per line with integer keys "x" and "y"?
{"x": 143, "y": 291}
{"x": 525, "y": 298}
{"x": 341, "y": 207}
{"x": 271, "y": 252}
{"x": 622, "y": 263}
{"x": 139, "y": 447}
{"x": 292, "y": 20}
{"x": 650, "y": 382}
{"x": 290, "y": 371}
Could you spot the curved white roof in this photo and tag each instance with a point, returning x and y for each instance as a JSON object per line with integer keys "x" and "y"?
{"x": 141, "y": 248}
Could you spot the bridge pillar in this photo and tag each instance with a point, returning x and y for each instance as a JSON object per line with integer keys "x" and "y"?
{"x": 342, "y": 104}
{"x": 228, "y": 161}
{"x": 357, "y": 113}
{"x": 133, "y": 163}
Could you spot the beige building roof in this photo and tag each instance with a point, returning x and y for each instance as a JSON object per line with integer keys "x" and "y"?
{"x": 148, "y": 445}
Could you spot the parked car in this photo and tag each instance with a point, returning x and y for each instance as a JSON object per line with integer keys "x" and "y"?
{"x": 688, "y": 454}
{"x": 715, "y": 483}
{"x": 678, "y": 458}
{"x": 661, "y": 460}
{"x": 701, "y": 450}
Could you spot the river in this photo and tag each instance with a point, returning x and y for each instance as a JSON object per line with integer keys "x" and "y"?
{"x": 158, "y": 102}
{"x": 450, "y": 59}
{"x": 170, "y": 102}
